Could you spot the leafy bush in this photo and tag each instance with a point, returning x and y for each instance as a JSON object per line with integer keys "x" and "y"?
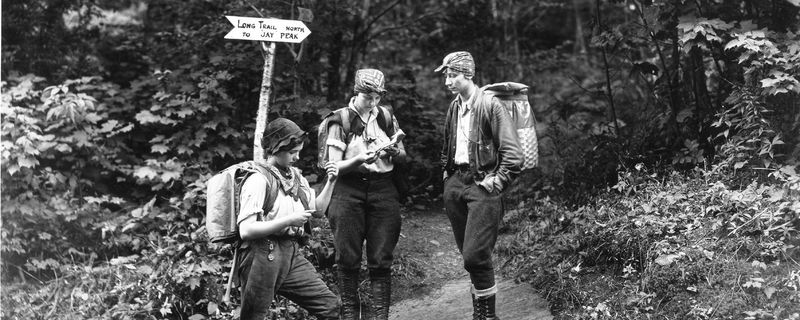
{"x": 663, "y": 246}
{"x": 62, "y": 147}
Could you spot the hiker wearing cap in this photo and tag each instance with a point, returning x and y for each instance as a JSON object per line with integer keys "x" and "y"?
{"x": 271, "y": 261}
{"x": 365, "y": 204}
{"x": 480, "y": 158}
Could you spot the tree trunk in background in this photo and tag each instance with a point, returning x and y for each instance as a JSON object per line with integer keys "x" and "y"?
{"x": 674, "y": 75}
{"x": 502, "y": 41}
{"x": 358, "y": 46}
{"x": 612, "y": 112}
{"x": 335, "y": 61}
{"x": 511, "y": 46}
{"x": 580, "y": 44}
{"x": 704, "y": 106}
{"x": 702, "y": 98}
{"x": 263, "y": 100}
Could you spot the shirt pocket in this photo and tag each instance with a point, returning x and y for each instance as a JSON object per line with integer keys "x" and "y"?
{"x": 486, "y": 153}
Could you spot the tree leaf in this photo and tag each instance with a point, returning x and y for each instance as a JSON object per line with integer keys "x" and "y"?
{"x": 666, "y": 259}
{"x": 776, "y": 195}
{"x": 63, "y": 148}
{"x": 145, "y": 173}
{"x": 108, "y": 126}
{"x": 159, "y": 148}
{"x": 93, "y": 117}
{"x": 147, "y": 117}
{"x": 81, "y": 139}
{"x": 168, "y": 176}
{"x": 27, "y": 162}
{"x": 184, "y": 112}
{"x": 145, "y": 269}
{"x": 212, "y": 308}
{"x": 194, "y": 283}
{"x": 769, "y": 291}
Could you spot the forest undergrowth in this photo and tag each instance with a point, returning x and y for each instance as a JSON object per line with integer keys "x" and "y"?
{"x": 662, "y": 246}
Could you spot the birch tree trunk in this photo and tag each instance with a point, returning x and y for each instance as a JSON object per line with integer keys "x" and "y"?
{"x": 580, "y": 43}
{"x": 263, "y": 100}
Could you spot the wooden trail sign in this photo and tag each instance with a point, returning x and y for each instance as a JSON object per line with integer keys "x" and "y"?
{"x": 268, "y": 30}
{"x": 264, "y": 29}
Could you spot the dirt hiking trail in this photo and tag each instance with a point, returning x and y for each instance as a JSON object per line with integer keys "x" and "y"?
{"x": 434, "y": 285}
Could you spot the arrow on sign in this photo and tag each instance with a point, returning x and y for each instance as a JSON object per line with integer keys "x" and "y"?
{"x": 263, "y": 29}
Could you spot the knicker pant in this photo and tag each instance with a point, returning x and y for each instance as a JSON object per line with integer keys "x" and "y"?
{"x": 365, "y": 209}
{"x": 475, "y": 216}
{"x": 281, "y": 268}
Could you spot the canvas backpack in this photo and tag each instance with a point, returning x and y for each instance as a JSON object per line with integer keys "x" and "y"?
{"x": 345, "y": 117}
{"x": 222, "y": 199}
{"x": 222, "y": 208}
{"x": 514, "y": 98}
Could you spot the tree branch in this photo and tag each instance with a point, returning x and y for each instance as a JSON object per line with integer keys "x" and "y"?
{"x": 368, "y": 25}
{"x": 392, "y": 28}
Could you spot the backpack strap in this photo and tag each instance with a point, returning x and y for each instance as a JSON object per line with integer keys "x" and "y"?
{"x": 272, "y": 184}
{"x": 346, "y": 118}
{"x": 386, "y": 121}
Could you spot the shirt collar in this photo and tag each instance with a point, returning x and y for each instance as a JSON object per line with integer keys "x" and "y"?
{"x": 372, "y": 113}
{"x": 466, "y": 106}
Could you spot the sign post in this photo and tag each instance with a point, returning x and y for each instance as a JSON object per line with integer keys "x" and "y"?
{"x": 266, "y": 30}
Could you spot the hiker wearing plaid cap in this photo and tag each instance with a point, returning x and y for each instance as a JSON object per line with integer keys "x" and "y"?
{"x": 365, "y": 206}
{"x": 480, "y": 158}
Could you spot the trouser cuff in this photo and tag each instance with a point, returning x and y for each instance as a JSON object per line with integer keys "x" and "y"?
{"x": 484, "y": 292}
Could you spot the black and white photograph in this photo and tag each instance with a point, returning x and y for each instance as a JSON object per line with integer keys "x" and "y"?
{"x": 397, "y": 159}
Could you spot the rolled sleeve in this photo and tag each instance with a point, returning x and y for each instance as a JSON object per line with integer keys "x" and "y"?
{"x": 252, "y": 197}
{"x": 336, "y": 137}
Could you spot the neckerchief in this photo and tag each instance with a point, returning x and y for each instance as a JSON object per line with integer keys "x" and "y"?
{"x": 290, "y": 181}
{"x": 357, "y": 127}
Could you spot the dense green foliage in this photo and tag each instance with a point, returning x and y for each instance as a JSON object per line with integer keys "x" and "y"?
{"x": 669, "y": 131}
{"x": 663, "y": 245}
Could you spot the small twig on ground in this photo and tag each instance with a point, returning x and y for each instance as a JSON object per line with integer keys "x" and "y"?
{"x": 747, "y": 222}
{"x": 22, "y": 274}
{"x": 57, "y": 296}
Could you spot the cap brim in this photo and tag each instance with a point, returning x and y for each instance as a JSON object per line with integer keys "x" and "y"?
{"x": 365, "y": 90}
{"x": 440, "y": 68}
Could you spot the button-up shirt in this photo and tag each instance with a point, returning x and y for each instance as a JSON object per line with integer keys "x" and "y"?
{"x": 372, "y": 138}
{"x": 254, "y": 191}
{"x": 463, "y": 129}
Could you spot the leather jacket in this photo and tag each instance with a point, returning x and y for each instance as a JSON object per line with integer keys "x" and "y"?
{"x": 494, "y": 153}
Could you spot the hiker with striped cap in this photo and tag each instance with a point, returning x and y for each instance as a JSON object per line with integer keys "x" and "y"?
{"x": 365, "y": 206}
{"x": 481, "y": 156}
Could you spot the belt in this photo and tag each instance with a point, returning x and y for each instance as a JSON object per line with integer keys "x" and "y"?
{"x": 271, "y": 239}
{"x": 366, "y": 176}
{"x": 463, "y": 168}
